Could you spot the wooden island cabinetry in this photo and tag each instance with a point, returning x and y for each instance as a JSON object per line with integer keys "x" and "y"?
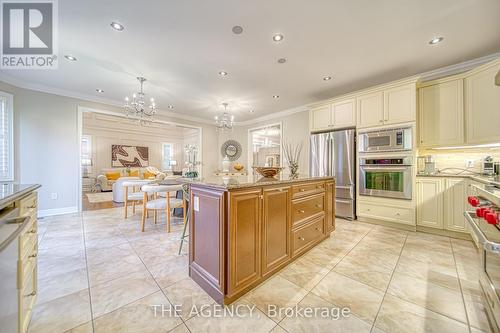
{"x": 244, "y": 232}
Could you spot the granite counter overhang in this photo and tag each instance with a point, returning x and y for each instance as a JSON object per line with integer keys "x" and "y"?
{"x": 10, "y": 192}
{"x": 233, "y": 183}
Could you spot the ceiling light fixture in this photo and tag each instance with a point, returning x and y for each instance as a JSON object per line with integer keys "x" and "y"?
{"x": 70, "y": 57}
{"x": 225, "y": 121}
{"x": 327, "y": 78}
{"x": 436, "y": 40}
{"x": 117, "y": 26}
{"x": 137, "y": 107}
{"x": 251, "y": 111}
{"x": 222, "y": 73}
{"x": 278, "y": 37}
{"x": 237, "y": 30}
{"x": 99, "y": 90}
{"x": 170, "y": 107}
{"x": 276, "y": 96}
{"x": 281, "y": 60}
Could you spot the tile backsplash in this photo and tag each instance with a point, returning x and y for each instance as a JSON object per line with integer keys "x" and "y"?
{"x": 457, "y": 158}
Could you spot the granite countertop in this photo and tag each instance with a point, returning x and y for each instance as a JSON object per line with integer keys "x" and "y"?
{"x": 10, "y": 192}
{"x": 489, "y": 180}
{"x": 236, "y": 182}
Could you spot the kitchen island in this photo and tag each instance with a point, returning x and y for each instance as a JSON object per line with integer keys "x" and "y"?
{"x": 245, "y": 229}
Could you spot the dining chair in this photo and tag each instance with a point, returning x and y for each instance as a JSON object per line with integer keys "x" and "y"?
{"x": 158, "y": 203}
{"x": 132, "y": 193}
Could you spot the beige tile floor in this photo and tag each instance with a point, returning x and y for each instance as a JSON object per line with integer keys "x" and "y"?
{"x": 99, "y": 273}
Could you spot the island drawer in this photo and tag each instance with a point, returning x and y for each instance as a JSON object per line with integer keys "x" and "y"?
{"x": 28, "y": 205}
{"x": 307, "y": 235}
{"x": 302, "y": 190}
{"x": 306, "y": 207}
{"x": 27, "y": 297}
{"x": 28, "y": 239}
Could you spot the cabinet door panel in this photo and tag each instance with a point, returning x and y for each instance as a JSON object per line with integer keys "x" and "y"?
{"x": 400, "y": 104}
{"x": 455, "y": 204}
{"x": 430, "y": 203}
{"x": 321, "y": 118}
{"x": 330, "y": 207}
{"x": 442, "y": 114}
{"x": 483, "y": 106}
{"x": 344, "y": 113}
{"x": 244, "y": 239}
{"x": 276, "y": 225}
{"x": 370, "y": 110}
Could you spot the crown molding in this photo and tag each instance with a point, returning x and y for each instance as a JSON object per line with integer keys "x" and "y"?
{"x": 90, "y": 98}
{"x": 457, "y": 68}
{"x": 273, "y": 116}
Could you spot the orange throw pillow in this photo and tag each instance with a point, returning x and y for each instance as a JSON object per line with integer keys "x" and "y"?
{"x": 148, "y": 175}
{"x": 134, "y": 173}
{"x": 112, "y": 175}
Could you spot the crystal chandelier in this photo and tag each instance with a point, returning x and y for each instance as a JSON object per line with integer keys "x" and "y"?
{"x": 137, "y": 107}
{"x": 225, "y": 121}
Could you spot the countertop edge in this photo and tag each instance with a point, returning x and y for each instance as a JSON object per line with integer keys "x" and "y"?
{"x": 256, "y": 184}
{"x": 481, "y": 179}
{"x": 18, "y": 194}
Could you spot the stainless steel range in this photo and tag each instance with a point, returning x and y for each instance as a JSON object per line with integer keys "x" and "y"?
{"x": 485, "y": 223}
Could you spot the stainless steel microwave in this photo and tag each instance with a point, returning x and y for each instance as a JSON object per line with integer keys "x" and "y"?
{"x": 388, "y": 140}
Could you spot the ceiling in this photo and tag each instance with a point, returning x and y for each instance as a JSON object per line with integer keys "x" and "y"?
{"x": 180, "y": 46}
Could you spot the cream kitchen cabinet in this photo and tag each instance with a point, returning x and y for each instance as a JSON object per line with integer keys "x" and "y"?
{"x": 338, "y": 114}
{"x": 441, "y": 203}
{"x": 441, "y": 113}
{"x": 455, "y": 203}
{"x": 482, "y": 104}
{"x": 389, "y": 106}
{"x": 430, "y": 202}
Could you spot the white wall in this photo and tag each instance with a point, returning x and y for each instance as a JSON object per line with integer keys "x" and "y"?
{"x": 46, "y": 144}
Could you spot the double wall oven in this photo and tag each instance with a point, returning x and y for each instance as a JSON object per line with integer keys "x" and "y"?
{"x": 386, "y": 163}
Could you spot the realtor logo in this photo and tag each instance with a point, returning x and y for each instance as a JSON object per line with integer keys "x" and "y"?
{"x": 29, "y": 34}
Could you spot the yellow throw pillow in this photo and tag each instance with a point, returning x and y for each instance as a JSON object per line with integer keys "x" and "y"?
{"x": 148, "y": 175}
{"x": 112, "y": 175}
{"x": 134, "y": 173}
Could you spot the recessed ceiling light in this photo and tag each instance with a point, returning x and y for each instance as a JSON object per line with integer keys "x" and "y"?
{"x": 70, "y": 57}
{"x": 222, "y": 73}
{"x": 117, "y": 26}
{"x": 237, "y": 30}
{"x": 281, "y": 60}
{"x": 278, "y": 37}
{"x": 99, "y": 90}
{"x": 327, "y": 78}
{"x": 276, "y": 96}
{"x": 170, "y": 107}
{"x": 252, "y": 111}
{"x": 436, "y": 40}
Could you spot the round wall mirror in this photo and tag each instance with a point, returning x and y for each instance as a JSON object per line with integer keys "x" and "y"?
{"x": 231, "y": 149}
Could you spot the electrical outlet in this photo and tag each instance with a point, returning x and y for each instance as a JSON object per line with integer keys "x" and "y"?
{"x": 53, "y": 196}
{"x": 469, "y": 163}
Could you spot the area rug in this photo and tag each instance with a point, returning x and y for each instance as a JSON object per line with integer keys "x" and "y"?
{"x": 99, "y": 197}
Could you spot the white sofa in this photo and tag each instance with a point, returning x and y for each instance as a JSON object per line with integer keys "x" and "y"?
{"x": 106, "y": 184}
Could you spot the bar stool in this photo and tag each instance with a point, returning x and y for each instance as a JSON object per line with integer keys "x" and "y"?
{"x": 134, "y": 196}
{"x": 185, "y": 198}
{"x": 160, "y": 204}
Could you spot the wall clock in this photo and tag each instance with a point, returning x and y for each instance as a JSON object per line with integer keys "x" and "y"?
{"x": 231, "y": 149}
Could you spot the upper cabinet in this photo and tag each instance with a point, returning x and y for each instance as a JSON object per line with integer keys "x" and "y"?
{"x": 370, "y": 109}
{"x": 460, "y": 110}
{"x": 389, "y": 106}
{"x": 338, "y": 114}
{"x": 482, "y": 105}
{"x": 441, "y": 113}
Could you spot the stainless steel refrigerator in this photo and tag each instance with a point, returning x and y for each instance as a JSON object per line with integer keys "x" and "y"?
{"x": 333, "y": 154}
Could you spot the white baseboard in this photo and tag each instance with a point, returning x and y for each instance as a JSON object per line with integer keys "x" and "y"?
{"x": 57, "y": 211}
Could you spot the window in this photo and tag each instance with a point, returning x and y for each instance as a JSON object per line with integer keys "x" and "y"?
{"x": 167, "y": 155}
{"x": 6, "y": 137}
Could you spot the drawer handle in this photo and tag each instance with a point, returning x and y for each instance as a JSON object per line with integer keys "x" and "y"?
{"x": 32, "y": 231}
{"x": 318, "y": 229}
{"x": 34, "y": 255}
{"x": 319, "y": 186}
{"x": 397, "y": 214}
{"x": 301, "y": 190}
{"x": 302, "y": 238}
{"x": 319, "y": 206}
{"x": 31, "y": 294}
{"x": 301, "y": 211}
{"x": 33, "y": 206}
{"x": 368, "y": 209}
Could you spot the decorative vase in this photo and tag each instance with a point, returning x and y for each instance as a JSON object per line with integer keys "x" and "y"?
{"x": 294, "y": 170}
{"x": 226, "y": 164}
